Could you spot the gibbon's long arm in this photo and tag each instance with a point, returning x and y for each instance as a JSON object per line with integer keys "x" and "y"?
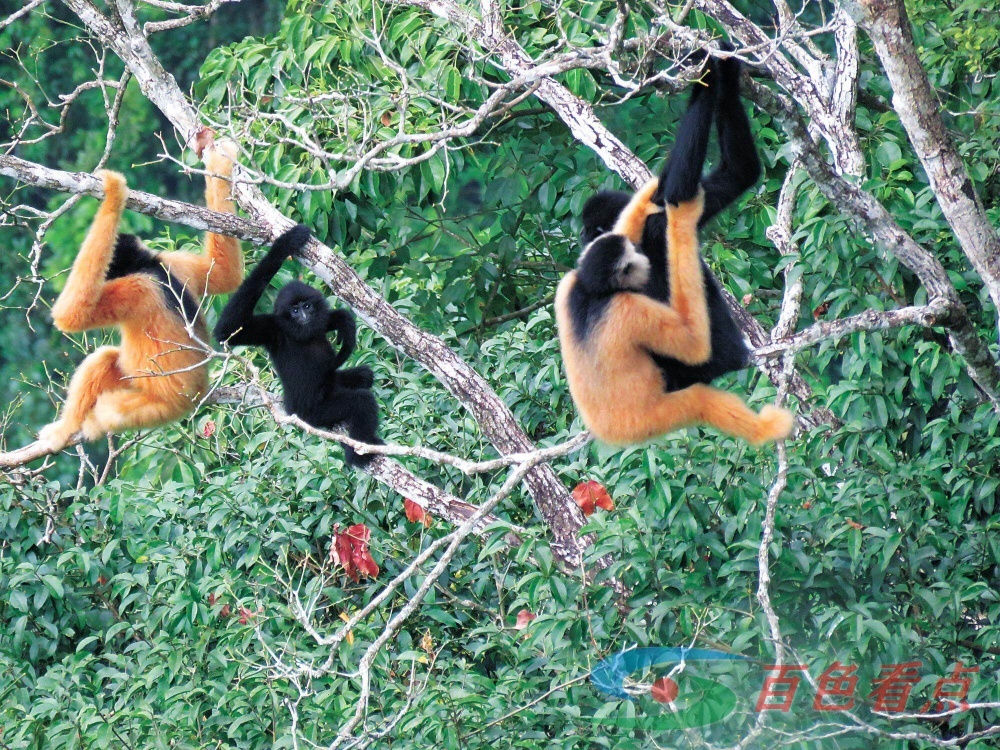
{"x": 238, "y": 326}
{"x": 719, "y": 96}
{"x": 740, "y": 166}
{"x": 679, "y": 329}
{"x": 342, "y": 321}
{"x": 220, "y": 269}
{"x": 681, "y": 175}
{"x": 88, "y": 301}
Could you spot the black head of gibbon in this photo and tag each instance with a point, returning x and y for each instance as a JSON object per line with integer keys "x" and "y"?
{"x": 302, "y": 312}
{"x": 611, "y": 264}
{"x": 131, "y": 256}
{"x": 600, "y": 213}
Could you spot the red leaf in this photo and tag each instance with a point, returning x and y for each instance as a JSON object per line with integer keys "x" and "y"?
{"x": 208, "y": 429}
{"x": 414, "y": 513}
{"x": 664, "y": 690}
{"x": 591, "y": 495}
{"x": 246, "y": 615}
{"x": 350, "y": 550}
{"x": 523, "y": 618}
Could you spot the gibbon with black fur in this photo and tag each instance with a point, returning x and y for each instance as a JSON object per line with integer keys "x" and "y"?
{"x": 159, "y": 371}
{"x": 295, "y": 337}
{"x": 719, "y": 96}
{"x": 609, "y": 330}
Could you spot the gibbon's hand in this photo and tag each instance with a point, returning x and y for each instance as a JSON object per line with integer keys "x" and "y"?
{"x": 289, "y": 243}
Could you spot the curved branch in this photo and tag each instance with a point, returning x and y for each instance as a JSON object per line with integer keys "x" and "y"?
{"x": 875, "y": 221}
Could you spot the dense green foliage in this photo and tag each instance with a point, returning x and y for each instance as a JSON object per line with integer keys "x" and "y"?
{"x": 154, "y": 615}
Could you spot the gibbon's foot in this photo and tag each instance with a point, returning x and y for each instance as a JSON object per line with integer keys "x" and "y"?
{"x": 646, "y": 193}
{"x": 55, "y": 436}
{"x": 115, "y": 188}
{"x": 91, "y": 428}
{"x": 774, "y": 424}
{"x": 633, "y": 217}
{"x": 361, "y": 460}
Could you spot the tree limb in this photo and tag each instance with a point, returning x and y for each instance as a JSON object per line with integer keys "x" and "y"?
{"x": 919, "y": 111}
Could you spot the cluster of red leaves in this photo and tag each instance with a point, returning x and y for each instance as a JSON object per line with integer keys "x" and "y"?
{"x": 246, "y": 615}
{"x": 591, "y": 495}
{"x": 208, "y": 429}
{"x": 350, "y": 550}
{"x": 416, "y": 514}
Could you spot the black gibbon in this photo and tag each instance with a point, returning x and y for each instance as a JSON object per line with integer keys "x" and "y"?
{"x": 159, "y": 371}
{"x": 609, "y": 328}
{"x": 295, "y": 337}
{"x": 718, "y": 96}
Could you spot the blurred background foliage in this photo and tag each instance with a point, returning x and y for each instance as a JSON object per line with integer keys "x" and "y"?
{"x": 146, "y": 622}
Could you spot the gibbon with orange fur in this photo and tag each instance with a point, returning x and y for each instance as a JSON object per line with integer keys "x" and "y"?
{"x": 159, "y": 372}
{"x": 608, "y": 329}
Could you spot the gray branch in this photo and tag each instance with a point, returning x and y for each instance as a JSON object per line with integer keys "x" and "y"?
{"x": 919, "y": 111}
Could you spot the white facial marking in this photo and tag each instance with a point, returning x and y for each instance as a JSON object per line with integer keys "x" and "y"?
{"x": 633, "y": 268}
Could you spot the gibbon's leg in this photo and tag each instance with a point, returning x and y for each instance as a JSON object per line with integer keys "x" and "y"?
{"x": 357, "y": 411}
{"x": 702, "y": 404}
{"x": 355, "y": 377}
{"x": 97, "y": 374}
{"x": 73, "y": 310}
{"x": 220, "y": 269}
{"x": 129, "y": 408}
{"x": 632, "y": 220}
{"x": 740, "y": 166}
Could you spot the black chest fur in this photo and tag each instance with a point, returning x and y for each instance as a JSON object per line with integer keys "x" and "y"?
{"x": 729, "y": 350}
{"x": 131, "y": 258}
{"x": 305, "y": 369}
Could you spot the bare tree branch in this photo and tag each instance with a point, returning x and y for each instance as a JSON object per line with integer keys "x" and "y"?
{"x": 872, "y": 218}
{"x": 176, "y": 212}
{"x": 919, "y": 111}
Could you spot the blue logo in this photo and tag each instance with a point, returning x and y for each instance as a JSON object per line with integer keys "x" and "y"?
{"x": 695, "y": 702}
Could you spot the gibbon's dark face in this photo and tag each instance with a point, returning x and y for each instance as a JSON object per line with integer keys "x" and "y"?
{"x": 302, "y": 311}
{"x": 611, "y": 264}
{"x": 600, "y": 213}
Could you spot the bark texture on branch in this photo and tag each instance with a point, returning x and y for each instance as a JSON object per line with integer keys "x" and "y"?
{"x": 176, "y": 212}
{"x": 919, "y": 111}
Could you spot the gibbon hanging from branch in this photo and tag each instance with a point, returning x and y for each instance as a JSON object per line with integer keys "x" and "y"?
{"x": 159, "y": 371}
